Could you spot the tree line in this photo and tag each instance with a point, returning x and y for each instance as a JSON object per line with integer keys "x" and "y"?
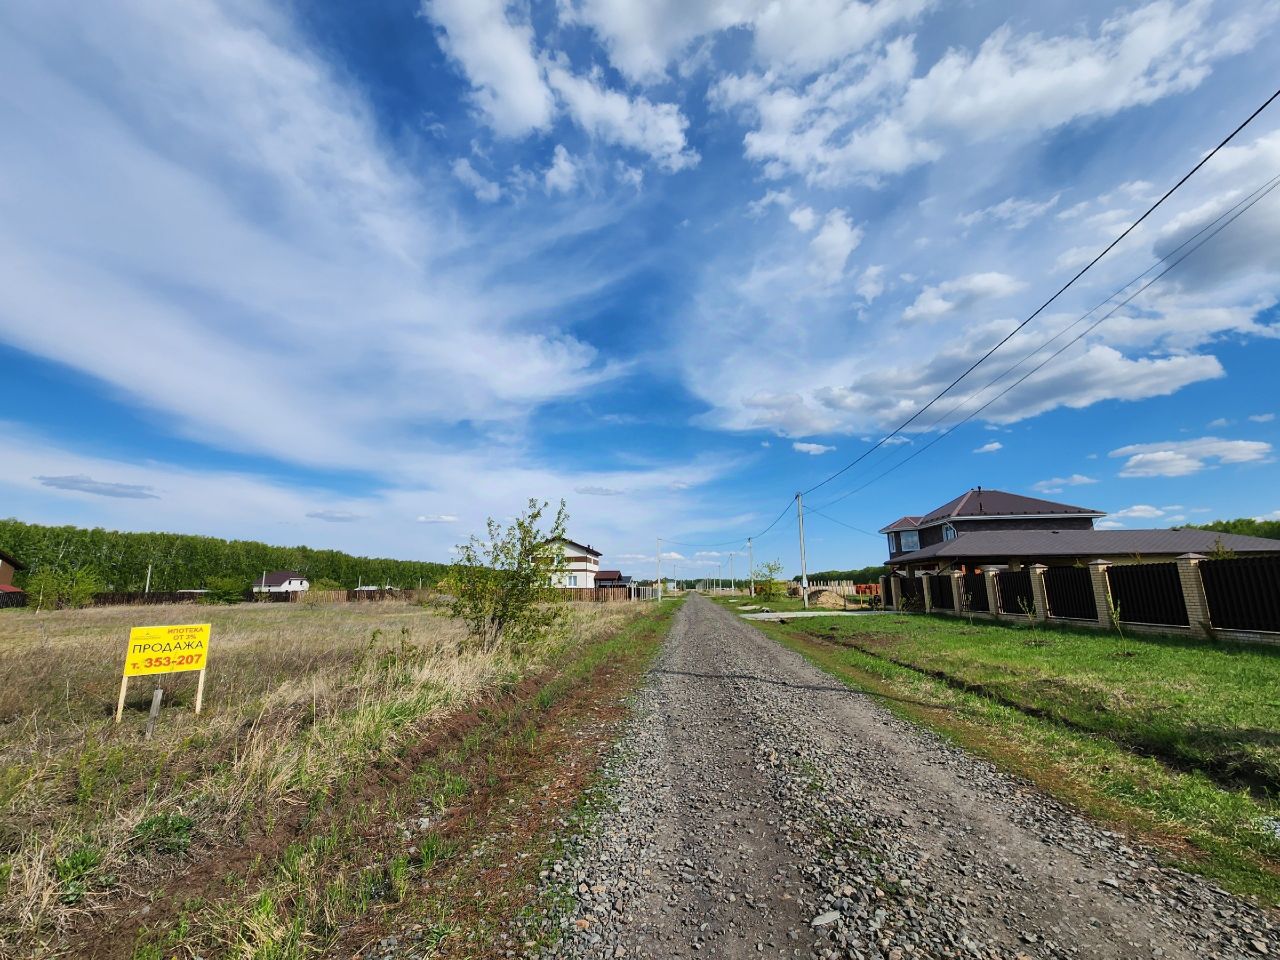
{"x": 870, "y": 574}
{"x": 118, "y": 561}
{"x": 1244, "y": 526}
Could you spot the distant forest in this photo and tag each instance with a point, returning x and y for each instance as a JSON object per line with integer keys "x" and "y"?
{"x": 1244, "y": 526}
{"x": 861, "y": 575}
{"x": 186, "y": 562}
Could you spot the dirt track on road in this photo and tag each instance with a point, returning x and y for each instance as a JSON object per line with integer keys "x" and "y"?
{"x": 760, "y": 808}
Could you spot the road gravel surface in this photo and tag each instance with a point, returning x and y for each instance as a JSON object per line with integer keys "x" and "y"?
{"x": 759, "y": 808}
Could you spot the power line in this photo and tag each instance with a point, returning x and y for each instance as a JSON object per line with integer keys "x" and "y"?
{"x": 1012, "y": 333}
{"x": 1229, "y": 215}
{"x": 729, "y": 543}
{"x": 1061, "y": 290}
{"x": 1272, "y": 184}
{"x": 842, "y": 523}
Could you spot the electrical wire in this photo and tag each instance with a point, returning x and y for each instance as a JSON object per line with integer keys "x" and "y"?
{"x": 1074, "y": 340}
{"x": 1231, "y": 212}
{"x": 1061, "y": 290}
{"x": 1009, "y": 336}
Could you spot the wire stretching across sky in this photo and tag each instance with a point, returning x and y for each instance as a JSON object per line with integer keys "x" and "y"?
{"x": 1061, "y": 290}
{"x": 1012, "y": 333}
{"x": 1238, "y": 212}
{"x": 1218, "y": 222}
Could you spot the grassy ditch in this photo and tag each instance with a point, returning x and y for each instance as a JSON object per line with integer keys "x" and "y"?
{"x": 1204, "y": 824}
{"x": 302, "y": 704}
{"x": 1198, "y": 705}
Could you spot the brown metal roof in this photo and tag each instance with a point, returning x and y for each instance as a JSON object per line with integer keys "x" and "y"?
{"x": 608, "y": 575}
{"x": 996, "y": 503}
{"x": 1087, "y": 544}
{"x": 278, "y": 578}
{"x": 904, "y": 523}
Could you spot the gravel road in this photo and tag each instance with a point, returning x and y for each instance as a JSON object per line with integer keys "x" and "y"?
{"x": 759, "y": 808}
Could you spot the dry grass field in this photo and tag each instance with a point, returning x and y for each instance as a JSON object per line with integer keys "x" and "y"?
{"x": 298, "y": 701}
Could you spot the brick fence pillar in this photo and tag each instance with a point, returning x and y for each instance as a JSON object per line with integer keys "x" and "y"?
{"x": 926, "y": 586}
{"x": 957, "y": 591}
{"x": 1193, "y": 594}
{"x": 895, "y": 587}
{"x": 993, "y": 592}
{"x": 1101, "y": 592}
{"x": 1039, "y": 596}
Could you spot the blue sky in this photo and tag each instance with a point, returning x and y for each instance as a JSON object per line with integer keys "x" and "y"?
{"x": 361, "y": 275}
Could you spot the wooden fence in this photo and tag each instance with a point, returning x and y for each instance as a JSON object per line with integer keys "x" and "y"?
{"x": 846, "y": 588}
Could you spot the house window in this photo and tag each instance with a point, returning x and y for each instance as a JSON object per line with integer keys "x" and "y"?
{"x": 893, "y": 544}
{"x": 910, "y": 540}
{"x": 948, "y": 532}
{"x": 573, "y": 581}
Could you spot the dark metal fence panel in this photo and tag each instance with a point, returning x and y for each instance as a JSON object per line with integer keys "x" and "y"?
{"x": 8, "y": 599}
{"x": 1014, "y": 587}
{"x": 912, "y": 593}
{"x": 940, "y": 591}
{"x": 1148, "y": 593}
{"x": 975, "y": 593}
{"x": 138, "y": 598}
{"x": 1069, "y": 591}
{"x": 1243, "y": 592}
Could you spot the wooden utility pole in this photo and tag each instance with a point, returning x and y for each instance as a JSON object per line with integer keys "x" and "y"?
{"x": 804, "y": 575}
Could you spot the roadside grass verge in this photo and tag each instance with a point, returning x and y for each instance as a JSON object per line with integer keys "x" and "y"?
{"x": 442, "y": 851}
{"x": 1201, "y": 706}
{"x": 299, "y": 700}
{"x": 1201, "y": 824}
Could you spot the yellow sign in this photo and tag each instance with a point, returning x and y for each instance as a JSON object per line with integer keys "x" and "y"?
{"x": 167, "y": 649}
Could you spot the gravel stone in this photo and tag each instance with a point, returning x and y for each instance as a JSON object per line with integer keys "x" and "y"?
{"x": 757, "y": 807}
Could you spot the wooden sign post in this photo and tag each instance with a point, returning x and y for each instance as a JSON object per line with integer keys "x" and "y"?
{"x": 172, "y": 649}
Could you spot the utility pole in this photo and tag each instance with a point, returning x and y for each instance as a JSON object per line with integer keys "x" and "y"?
{"x": 147, "y": 588}
{"x": 804, "y": 575}
{"x": 719, "y": 577}
{"x": 733, "y": 581}
{"x": 751, "y": 566}
{"x": 659, "y": 559}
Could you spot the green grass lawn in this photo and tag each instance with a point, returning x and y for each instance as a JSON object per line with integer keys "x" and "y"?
{"x": 1196, "y": 704}
{"x": 1092, "y": 719}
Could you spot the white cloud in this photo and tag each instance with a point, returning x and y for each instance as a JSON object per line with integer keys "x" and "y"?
{"x": 813, "y": 449}
{"x": 961, "y": 293}
{"x": 830, "y": 247}
{"x": 1179, "y": 458}
{"x": 1219, "y": 423}
{"x": 496, "y": 53}
{"x": 657, "y": 129}
{"x": 484, "y": 189}
{"x": 1262, "y": 417}
{"x": 81, "y": 483}
{"x": 437, "y": 518}
{"x": 1142, "y": 510}
{"x": 335, "y": 516}
{"x": 872, "y": 115}
{"x": 592, "y": 491}
{"x": 354, "y": 302}
{"x": 562, "y": 175}
{"x": 1273, "y": 515}
{"x": 1014, "y": 212}
{"x": 803, "y": 218}
{"x": 1058, "y": 484}
{"x": 990, "y": 447}
{"x": 1108, "y": 524}
{"x": 871, "y": 283}
{"x": 644, "y": 38}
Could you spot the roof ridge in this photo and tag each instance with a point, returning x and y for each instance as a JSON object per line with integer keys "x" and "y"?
{"x": 960, "y": 506}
